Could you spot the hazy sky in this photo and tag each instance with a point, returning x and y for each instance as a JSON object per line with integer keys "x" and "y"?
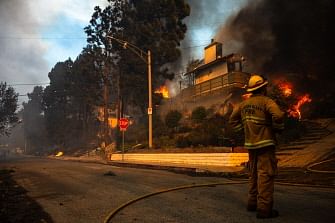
{"x": 36, "y": 34}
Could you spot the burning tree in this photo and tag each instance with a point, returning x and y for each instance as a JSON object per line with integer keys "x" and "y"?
{"x": 294, "y": 37}
{"x": 163, "y": 90}
{"x": 294, "y": 111}
{"x": 290, "y": 101}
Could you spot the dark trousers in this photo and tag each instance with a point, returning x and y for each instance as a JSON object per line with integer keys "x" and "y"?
{"x": 262, "y": 171}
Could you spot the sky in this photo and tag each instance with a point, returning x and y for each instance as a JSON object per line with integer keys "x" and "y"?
{"x": 204, "y": 22}
{"x": 36, "y": 34}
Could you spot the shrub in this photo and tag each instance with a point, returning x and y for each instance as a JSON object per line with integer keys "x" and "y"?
{"x": 208, "y": 133}
{"x": 165, "y": 142}
{"x": 184, "y": 129}
{"x": 199, "y": 114}
{"x": 159, "y": 127}
{"x": 182, "y": 142}
{"x": 172, "y": 119}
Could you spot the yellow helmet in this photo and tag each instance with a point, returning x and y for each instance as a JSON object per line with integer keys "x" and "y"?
{"x": 255, "y": 82}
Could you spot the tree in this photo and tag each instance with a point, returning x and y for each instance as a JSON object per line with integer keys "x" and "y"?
{"x": 283, "y": 101}
{"x": 56, "y": 100}
{"x": 8, "y": 106}
{"x": 86, "y": 90}
{"x": 149, "y": 24}
{"x": 34, "y": 122}
{"x": 72, "y": 99}
{"x": 199, "y": 114}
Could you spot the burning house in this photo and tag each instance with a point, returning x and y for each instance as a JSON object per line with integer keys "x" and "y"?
{"x": 217, "y": 78}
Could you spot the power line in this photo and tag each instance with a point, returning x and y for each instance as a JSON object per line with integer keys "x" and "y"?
{"x": 71, "y": 38}
{"x": 38, "y": 38}
{"x": 189, "y": 47}
{"x": 28, "y": 84}
{"x": 74, "y": 38}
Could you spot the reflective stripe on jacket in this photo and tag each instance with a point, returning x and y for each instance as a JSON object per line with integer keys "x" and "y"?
{"x": 260, "y": 117}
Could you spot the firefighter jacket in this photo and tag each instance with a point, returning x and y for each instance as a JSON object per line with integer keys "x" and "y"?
{"x": 260, "y": 117}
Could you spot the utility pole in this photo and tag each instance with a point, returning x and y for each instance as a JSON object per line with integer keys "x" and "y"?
{"x": 146, "y": 60}
{"x": 150, "y": 99}
{"x": 106, "y": 89}
{"x": 118, "y": 108}
{"x": 105, "y": 113}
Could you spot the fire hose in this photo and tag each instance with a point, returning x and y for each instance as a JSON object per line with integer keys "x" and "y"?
{"x": 115, "y": 211}
{"x": 309, "y": 168}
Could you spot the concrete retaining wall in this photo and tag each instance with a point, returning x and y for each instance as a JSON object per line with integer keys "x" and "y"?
{"x": 182, "y": 159}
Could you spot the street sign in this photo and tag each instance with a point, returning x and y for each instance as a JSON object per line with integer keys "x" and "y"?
{"x": 123, "y": 124}
{"x": 149, "y": 111}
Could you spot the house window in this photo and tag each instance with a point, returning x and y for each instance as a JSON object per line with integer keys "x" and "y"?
{"x": 235, "y": 66}
{"x": 238, "y": 66}
{"x": 231, "y": 67}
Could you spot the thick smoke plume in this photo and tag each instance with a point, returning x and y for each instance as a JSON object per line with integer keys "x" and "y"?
{"x": 202, "y": 24}
{"x": 21, "y": 52}
{"x": 287, "y": 39}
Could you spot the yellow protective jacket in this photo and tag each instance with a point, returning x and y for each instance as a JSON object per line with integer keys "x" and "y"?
{"x": 260, "y": 117}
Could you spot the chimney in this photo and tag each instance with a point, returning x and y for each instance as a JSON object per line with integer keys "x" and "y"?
{"x": 213, "y": 51}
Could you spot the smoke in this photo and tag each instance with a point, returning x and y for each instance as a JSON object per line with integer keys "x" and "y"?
{"x": 31, "y": 37}
{"x": 202, "y": 24}
{"x": 285, "y": 37}
{"x": 20, "y": 53}
{"x": 291, "y": 40}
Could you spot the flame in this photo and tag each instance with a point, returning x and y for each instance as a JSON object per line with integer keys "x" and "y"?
{"x": 295, "y": 110}
{"x": 286, "y": 88}
{"x": 163, "y": 90}
{"x": 59, "y": 154}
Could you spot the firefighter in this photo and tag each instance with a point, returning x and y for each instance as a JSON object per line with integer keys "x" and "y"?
{"x": 260, "y": 118}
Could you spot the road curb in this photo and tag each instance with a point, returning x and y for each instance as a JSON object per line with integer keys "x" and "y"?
{"x": 192, "y": 171}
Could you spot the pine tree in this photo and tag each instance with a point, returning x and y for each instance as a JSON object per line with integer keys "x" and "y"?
{"x": 34, "y": 122}
{"x": 148, "y": 24}
{"x": 8, "y": 106}
{"x": 56, "y": 100}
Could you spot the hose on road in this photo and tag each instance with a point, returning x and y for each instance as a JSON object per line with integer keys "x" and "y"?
{"x": 115, "y": 211}
{"x": 309, "y": 168}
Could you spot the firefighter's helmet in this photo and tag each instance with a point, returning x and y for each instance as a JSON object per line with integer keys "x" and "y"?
{"x": 256, "y": 81}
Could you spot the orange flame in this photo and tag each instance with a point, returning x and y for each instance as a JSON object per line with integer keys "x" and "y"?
{"x": 295, "y": 110}
{"x": 163, "y": 90}
{"x": 286, "y": 89}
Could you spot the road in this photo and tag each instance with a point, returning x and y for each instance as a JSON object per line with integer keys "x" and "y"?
{"x": 87, "y": 192}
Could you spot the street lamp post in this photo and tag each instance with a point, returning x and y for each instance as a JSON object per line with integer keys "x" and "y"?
{"x": 146, "y": 57}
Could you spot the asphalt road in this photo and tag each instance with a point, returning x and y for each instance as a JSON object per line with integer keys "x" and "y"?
{"x": 83, "y": 192}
